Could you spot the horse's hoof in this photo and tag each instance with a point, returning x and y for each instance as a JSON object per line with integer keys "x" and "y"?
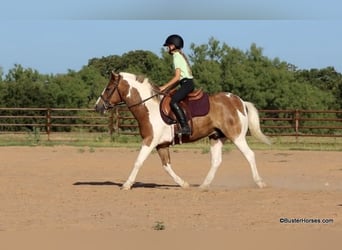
{"x": 204, "y": 187}
{"x": 126, "y": 186}
{"x": 185, "y": 185}
{"x": 261, "y": 184}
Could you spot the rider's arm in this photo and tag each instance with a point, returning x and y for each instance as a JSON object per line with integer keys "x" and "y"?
{"x": 172, "y": 83}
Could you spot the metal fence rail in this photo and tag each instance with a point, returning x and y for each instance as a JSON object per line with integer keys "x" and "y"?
{"x": 322, "y": 123}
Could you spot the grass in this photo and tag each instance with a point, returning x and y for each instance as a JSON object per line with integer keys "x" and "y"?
{"x": 95, "y": 140}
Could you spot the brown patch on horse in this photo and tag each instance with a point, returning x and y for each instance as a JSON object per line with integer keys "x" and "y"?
{"x": 138, "y": 111}
{"x": 164, "y": 153}
{"x": 236, "y": 102}
{"x": 114, "y": 81}
{"x": 226, "y": 118}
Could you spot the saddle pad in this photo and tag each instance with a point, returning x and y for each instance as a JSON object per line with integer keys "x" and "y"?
{"x": 193, "y": 108}
{"x": 199, "y": 107}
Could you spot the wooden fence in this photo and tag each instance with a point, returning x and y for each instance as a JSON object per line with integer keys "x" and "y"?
{"x": 296, "y": 123}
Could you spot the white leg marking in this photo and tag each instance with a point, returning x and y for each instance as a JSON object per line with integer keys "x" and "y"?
{"x": 175, "y": 177}
{"x": 242, "y": 145}
{"x": 216, "y": 159}
{"x": 143, "y": 154}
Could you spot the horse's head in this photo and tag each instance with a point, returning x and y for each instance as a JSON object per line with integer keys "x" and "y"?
{"x": 111, "y": 95}
{"x": 125, "y": 88}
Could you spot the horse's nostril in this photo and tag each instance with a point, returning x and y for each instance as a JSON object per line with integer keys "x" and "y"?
{"x": 98, "y": 108}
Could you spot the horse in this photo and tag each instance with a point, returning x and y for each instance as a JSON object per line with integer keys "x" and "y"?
{"x": 229, "y": 117}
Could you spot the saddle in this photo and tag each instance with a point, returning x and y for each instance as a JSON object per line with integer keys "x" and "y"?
{"x": 195, "y": 104}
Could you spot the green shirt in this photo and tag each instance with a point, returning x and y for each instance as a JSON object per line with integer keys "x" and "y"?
{"x": 179, "y": 62}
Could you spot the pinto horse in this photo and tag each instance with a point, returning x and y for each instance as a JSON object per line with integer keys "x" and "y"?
{"x": 229, "y": 117}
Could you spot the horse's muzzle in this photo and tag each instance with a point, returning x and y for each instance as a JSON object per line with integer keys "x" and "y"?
{"x": 100, "y": 108}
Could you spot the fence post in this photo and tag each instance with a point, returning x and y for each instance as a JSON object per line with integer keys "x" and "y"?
{"x": 297, "y": 117}
{"x": 111, "y": 123}
{"x": 48, "y": 122}
{"x": 117, "y": 122}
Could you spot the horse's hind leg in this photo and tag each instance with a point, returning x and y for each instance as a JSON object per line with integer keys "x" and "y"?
{"x": 216, "y": 159}
{"x": 164, "y": 155}
{"x": 242, "y": 145}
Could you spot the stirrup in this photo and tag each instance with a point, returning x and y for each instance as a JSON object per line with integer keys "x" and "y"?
{"x": 180, "y": 133}
{"x": 185, "y": 131}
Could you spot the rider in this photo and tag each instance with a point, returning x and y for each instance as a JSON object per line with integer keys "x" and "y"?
{"x": 182, "y": 76}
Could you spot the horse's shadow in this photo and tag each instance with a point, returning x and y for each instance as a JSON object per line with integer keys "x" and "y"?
{"x": 135, "y": 185}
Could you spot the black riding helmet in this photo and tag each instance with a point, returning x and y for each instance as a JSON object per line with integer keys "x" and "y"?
{"x": 176, "y": 40}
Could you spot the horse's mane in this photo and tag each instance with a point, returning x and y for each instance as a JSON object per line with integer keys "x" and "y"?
{"x": 143, "y": 80}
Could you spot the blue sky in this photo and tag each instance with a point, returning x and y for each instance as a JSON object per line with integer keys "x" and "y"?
{"x": 53, "y": 37}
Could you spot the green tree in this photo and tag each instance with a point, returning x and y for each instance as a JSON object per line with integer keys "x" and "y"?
{"x": 1, "y": 74}
{"x": 20, "y": 74}
{"x": 206, "y": 65}
{"x": 208, "y": 76}
{"x": 105, "y": 65}
{"x": 269, "y": 83}
{"x": 138, "y": 62}
{"x": 328, "y": 80}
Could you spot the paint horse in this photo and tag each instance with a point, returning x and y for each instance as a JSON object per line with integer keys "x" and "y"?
{"x": 229, "y": 117}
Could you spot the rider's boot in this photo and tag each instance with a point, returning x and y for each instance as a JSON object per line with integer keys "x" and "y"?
{"x": 185, "y": 129}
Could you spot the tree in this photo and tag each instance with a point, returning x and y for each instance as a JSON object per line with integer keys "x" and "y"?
{"x": 1, "y": 74}
{"x": 327, "y": 80}
{"x": 139, "y": 62}
{"x": 206, "y": 65}
{"x": 269, "y": 83}
{"x": 208, "y": 76}
{"x": 20, "y": 74}
{"x": 105, "y": 65}
{"x": 145, "y": 63}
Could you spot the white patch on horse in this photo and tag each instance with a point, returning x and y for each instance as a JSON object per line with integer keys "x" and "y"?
{"x": 144, "y": 88}
{"x": 152, "y": 105}
{"x": 99, "y": 99}
{"x": 244, "y": 148}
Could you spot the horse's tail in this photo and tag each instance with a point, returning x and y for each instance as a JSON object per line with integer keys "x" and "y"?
{"x": 254, "y": 123}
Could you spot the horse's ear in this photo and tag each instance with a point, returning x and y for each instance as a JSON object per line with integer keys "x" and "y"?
{"x": 113, "y": 74}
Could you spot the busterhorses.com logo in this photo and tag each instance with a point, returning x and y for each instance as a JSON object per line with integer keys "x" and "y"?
{"x": 305, "y": 221}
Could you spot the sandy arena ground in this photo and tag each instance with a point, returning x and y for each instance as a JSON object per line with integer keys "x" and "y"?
{"x": 70, "y": 188}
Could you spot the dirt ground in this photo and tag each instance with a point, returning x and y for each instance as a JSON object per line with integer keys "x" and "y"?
{"x": 73, "y": 188}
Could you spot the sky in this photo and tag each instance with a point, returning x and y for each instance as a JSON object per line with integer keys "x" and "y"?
{"x": 56, "y": 36}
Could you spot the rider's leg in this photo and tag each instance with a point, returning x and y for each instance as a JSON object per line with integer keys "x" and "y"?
{"x": 185, "y": 129}
{"x": 186, "y": 87}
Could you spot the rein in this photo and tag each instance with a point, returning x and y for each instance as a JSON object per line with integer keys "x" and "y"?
{"x": 141, "y": 102}
{"x": 158, "y": 92}
{"x": 107, "y": 105}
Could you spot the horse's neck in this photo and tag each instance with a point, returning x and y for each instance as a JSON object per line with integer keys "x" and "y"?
{"x": 145, "y": 105}
{"x": 145, "y": 109}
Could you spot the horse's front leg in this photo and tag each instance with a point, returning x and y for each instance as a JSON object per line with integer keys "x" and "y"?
{"x": 143, "y": 154}
{"x": 164, "y": 155}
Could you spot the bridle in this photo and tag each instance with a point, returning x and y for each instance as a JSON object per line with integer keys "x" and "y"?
{"x": 107, "y": 105}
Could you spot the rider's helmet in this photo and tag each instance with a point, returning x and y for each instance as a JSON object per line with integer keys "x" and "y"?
{"x": 176, "y": 40}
